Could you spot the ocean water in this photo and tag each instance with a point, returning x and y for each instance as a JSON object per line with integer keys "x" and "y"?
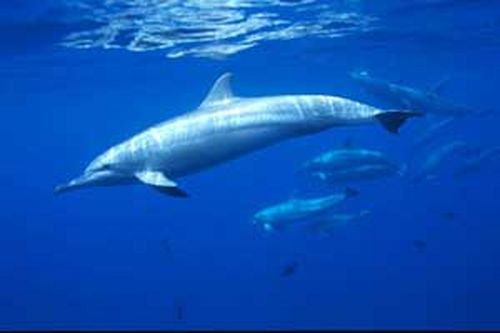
{"x": 77, "y": 77}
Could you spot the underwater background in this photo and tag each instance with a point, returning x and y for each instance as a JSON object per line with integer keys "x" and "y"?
{"x": 79, "y": 76}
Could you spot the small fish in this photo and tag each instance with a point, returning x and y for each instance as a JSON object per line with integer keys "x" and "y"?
{"x": 289, "y": 269}
{"x": 179, "y": 309}
{"x": 448, "y": 215}
{"x": 419, "y": 244}
{"x": 165, "y": 245}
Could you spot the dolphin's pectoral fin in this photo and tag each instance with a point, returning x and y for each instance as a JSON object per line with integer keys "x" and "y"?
{"x": 160, "y": 182}
{"x": 155, "y": 178}
{"x": 221, "y": 92}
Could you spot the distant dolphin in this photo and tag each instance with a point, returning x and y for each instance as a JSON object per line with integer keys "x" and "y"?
{"x": 341, "y": 159}
{"x": 434, "y": 130}
{"x": 419, "y": 100}
{"x": 223, "y": 128}
{"x": 278, "y": 216}
{"x": 475, "y": 163}
{"x": 362, "y": 172}
{"x": 435, "y": 159}
{"x": 325, "y": 225}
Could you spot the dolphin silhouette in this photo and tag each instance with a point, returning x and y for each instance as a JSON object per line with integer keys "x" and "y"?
{"x": 223, "y": 128}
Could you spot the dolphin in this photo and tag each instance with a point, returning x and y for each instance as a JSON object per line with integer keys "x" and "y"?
{"x": 363, "y": 172}
{"x": 419, "y": 100}
{"x": 475, "y": 163}
{"x": 436, "y": 158}
{"x": 222, "y": 128}
{"x": 327, "y": 224}
{"x": 434, "y": 130}
{"x": 295, "y": 210}
{"x": 340, "y": 159}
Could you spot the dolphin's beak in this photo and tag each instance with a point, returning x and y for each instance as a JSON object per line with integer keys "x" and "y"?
{"x": 87, "y": 179}
{"x": 63, "y": 188}
{"x": 72, "y": 185}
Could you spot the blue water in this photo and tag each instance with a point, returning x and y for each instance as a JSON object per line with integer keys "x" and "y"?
{"x": 94, "y": 258}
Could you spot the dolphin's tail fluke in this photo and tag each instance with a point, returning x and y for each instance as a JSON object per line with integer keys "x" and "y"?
{"x": 393, "y": 120}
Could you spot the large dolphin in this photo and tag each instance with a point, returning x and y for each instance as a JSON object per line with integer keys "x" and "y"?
{"x": 222, "y": 128}
{"x": 426, "y": 101}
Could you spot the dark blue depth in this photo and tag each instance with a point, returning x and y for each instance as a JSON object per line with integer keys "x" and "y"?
{"x": 128, "y": 257}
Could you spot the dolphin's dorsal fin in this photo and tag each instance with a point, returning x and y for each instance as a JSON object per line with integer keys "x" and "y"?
{"x": 220, "y": 93}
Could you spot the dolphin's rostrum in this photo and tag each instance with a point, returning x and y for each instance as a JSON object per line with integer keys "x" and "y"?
{"x": 223, "y": 128}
